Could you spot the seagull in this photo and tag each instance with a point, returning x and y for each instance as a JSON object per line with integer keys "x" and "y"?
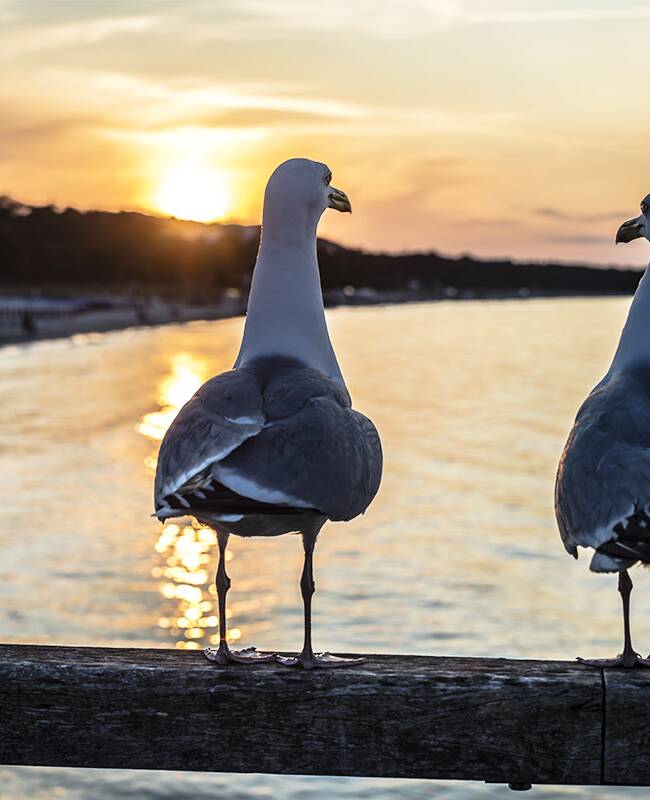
{"x": 273, "y": 446}
{"x": 602, "y": 491}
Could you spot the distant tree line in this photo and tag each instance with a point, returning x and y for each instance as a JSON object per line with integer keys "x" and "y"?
{"x": 45, "y": 248}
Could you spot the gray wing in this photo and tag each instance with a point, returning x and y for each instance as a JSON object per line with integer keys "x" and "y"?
{"x": 326, "y": 456}
{"x": 226, "y": 411}
{"x": 276, "y": 433}
{"x": 603, "y": 482}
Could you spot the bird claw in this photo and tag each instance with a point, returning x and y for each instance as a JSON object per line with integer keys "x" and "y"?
{"x": 223, "y": 655}
{"x": 317, "y": 661}
{"x": 623, "y": 661}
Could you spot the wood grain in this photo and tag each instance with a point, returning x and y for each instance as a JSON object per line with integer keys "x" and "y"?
{"x": 399, "y": 716}
{"x": 627, "y": 727}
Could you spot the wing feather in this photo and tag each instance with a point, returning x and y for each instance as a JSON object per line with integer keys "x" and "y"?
{"x": 275, "y": 432}
{"x": 604, "y": 474}
{"x": 325, "y": 457}
{"x": 224, "y": 412}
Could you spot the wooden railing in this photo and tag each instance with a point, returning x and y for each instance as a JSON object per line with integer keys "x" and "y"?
{"x": 497, "y": 720}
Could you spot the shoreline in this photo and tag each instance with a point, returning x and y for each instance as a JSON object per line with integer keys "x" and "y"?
{"x": 20, "y": 329}
{"x": 52, "y": 326}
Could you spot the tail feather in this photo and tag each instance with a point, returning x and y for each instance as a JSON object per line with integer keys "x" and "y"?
{"x": 631, "y": 543}
{"x": 209, "y": 497}
{"x": 630, "y": 549}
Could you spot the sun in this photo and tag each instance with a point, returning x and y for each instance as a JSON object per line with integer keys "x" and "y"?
{"x": 193, "y": 191}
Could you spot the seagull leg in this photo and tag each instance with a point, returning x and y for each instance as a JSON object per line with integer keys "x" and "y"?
{"x": 628, "y": 658}
{"x": 307, "y": 659}
{"x": 223, "y": 654}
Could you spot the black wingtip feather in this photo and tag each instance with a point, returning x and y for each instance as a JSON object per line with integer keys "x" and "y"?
{"x": 632, "y": 538}
{"x": 215, "y": 498}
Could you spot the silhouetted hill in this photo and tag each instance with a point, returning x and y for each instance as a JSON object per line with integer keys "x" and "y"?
{"x": 46, "y": 248}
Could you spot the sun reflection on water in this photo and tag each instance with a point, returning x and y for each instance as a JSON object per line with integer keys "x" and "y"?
{"x": 185, "y": 565}
{"x": 185, "y": 561}
{"x": 187, "y": 375}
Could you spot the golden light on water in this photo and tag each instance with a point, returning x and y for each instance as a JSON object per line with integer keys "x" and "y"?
{"x": 186, "y": 376}
{"x": 185, "y": 567}
{"x": 194, "y": 191}
{"x": 184, "y": 554}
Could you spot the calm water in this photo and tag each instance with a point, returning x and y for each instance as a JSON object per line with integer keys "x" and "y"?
{"x": 459, "y": 553}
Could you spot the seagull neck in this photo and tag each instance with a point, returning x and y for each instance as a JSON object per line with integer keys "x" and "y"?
{"x": 285, "y": 315}
{"x": 634, "y": 345}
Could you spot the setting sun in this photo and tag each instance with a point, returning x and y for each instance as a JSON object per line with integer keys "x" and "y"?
{"x": 193, "y": 191}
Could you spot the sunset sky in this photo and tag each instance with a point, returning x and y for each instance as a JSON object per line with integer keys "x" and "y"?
{"x": 499, "y": 128}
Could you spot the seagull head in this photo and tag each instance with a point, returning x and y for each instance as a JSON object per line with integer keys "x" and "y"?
{"x": 637, "y": 227}
{"x": 298, "y": 192}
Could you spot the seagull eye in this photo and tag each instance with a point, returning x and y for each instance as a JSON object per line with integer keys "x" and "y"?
{"x": 644, "y": 207}
{"x": 328, "y": 178}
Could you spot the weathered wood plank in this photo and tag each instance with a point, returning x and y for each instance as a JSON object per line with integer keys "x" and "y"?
{"x": 627, "y": 727}
{"x": 398, "y": 716}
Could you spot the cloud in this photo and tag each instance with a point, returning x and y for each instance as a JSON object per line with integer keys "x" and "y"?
{"x": 40, "y": 27}
{"x": 163, "y": 105}
{"x": 21, "y": 40}
{"x": 558, "y": 15}
{"x": 578, "y": 239}
{"x": 49, "y": 129}
{"x": 387, "y": 19}
{"x": 252, "y": 118}
{"x": 507, "y": 223}
{"x": 581, "y": 219}
{"x": 192, "y": 99}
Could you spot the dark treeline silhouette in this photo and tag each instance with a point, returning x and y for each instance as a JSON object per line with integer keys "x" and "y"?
{"x": 45, "y": 248}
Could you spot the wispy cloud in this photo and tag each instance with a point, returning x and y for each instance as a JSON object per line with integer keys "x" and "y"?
{"x": 556, "y": 215}
{"x": 579, "y": 239}
{"x": 160, "y": 100}
{"x": 409, "y": 18}
{"x": 21, "y": 40}
{"x": 558, "y": 15}
{"x": 250, "y": 19}
{"x": 374, "y": 17}
{"x": 158, "y": 105}
{"x": 32, "y": 134}
{"x": 507, "y": 223}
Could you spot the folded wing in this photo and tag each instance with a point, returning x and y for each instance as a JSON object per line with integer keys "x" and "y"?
{"x": 603, "y": 482}
{"x": 266, "y": 438}
{"x": 325, "y": 457}
{"x": 224, "y": 413}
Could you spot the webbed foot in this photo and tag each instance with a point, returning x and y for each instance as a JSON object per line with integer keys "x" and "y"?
{"x": 629, "y": 660}
{"x": 223, "y": 655}
{"x": 318, "y": 661}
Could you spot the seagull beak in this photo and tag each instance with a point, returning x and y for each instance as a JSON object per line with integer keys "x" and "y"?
{"x": 339, "y": 200}
{"x": 632, "y": 229}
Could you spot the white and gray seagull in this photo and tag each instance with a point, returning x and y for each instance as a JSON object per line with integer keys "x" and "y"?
{"x": 602, "y": 492}
{"x": 273, "y": 446}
